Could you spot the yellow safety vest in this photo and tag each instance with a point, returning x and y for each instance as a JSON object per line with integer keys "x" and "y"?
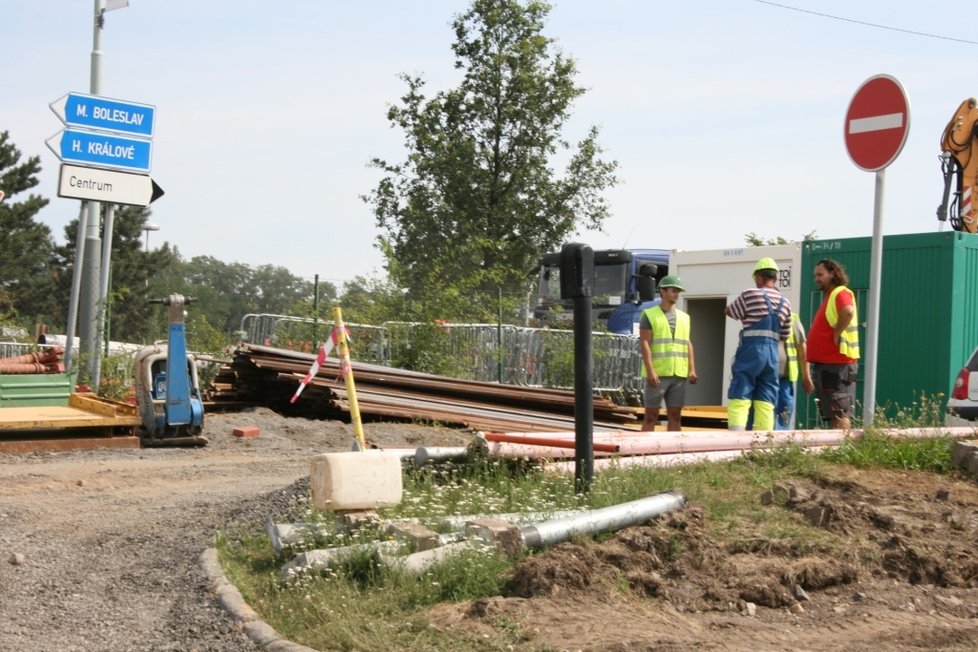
{"x": 670, "y": 355}
{"x": 849, "y": 341}
{"x": 791, "y": 352}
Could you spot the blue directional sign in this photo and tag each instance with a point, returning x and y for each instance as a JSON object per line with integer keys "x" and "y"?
{"x": 96, "y": 112}
{"x": 101, "y": 150}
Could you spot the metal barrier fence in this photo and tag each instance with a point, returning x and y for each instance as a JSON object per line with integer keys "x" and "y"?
{"x": 11, "y": 349}
{"x": 516, "y": 355}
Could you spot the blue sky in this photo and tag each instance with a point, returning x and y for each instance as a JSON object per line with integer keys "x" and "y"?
{"x": 726, "y": 117}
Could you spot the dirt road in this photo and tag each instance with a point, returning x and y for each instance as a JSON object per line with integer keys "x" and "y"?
{"x": 100, "y": 550}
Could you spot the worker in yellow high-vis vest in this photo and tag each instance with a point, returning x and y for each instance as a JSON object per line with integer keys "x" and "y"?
{"x": 667, "y": 356}
{"x": 833, "y": 345}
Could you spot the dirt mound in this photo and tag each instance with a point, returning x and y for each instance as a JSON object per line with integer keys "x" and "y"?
{"x": 898, "y": 560}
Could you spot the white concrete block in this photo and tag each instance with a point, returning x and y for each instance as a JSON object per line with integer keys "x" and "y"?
{"x": 356, "y": 480}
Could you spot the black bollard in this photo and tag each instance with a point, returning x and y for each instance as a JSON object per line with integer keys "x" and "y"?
{"x": 576, "y": 282}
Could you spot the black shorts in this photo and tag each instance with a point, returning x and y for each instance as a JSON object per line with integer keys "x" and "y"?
{"x": 835, "y": 388}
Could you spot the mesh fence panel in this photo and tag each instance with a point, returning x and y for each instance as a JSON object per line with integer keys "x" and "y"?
{"x": 515, "y": 355}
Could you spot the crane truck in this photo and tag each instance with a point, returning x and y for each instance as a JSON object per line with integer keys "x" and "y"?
{"x": 959, "y": 163}
{"x": 624, "y": 283}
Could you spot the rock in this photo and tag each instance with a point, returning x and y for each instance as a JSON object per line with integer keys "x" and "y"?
{"x": 798, "y": 495}
{"x": 778, "y": 494}
{"x": 817, "y": 515}
{"x": 796, "y": 609}
{"x": 801, "y": 594}
{"x": 951, "y": 601}
{"x": 17, "y": 559}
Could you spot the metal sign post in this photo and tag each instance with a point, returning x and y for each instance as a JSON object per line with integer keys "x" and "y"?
{"x": 876, "y": 127}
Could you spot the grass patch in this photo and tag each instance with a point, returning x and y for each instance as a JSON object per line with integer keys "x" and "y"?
{"x": 876, "y": 449}
{"x": 362, "y": 604}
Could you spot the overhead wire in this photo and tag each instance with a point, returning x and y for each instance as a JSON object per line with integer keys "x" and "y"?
{"x": 865, "y": 23}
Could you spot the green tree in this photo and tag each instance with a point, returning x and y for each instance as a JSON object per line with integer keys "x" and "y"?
{"x": 132, "y": 281}
{"x": 226, "y": 292}
{"x": 754, "y": 240}
{"x": 370, "y": 300}
{"x": 477, "y": 200}
{"x": 131, "y": 315}
{"x": 277, "y": 291}
{"x": 28, "y": 277}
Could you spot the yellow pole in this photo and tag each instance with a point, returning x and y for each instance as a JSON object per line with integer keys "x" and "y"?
{"x": 347, "y": 369}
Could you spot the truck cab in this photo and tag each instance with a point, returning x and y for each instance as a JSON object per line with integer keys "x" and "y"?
{"x": 621, "y": 276}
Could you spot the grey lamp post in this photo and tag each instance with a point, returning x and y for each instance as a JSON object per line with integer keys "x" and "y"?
{"x": 147, "y": 227}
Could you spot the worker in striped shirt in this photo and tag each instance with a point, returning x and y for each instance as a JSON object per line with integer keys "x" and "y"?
{"x": 766, "y": 316}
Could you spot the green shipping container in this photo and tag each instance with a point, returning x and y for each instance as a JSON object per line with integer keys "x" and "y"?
{"x": 928, "y": 314}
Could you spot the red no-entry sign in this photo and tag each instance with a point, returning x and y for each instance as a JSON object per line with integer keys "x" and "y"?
{"x": 877, "y": 123}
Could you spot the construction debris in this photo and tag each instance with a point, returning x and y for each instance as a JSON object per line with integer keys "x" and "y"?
{"x": 482, "y": 533}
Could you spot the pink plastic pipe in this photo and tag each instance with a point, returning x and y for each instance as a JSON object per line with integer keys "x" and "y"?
{"x": 700, "y": 441}
{"x": 659, "y": 461}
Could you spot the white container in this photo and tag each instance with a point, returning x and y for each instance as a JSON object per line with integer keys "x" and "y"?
{"x": 356, "y": 480}
{"x": 713, "y": 278}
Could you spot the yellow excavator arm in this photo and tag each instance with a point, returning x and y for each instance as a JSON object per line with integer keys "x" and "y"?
{"x": 959, "y": 160}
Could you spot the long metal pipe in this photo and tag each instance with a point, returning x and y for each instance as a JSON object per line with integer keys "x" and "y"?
{"x": 425, "y": 454}
{"x": 607, "y": 519}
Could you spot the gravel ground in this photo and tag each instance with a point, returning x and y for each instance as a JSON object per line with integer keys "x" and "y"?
{"x": 101, "y": 549}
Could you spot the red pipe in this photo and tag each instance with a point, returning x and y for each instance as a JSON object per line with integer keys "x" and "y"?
{"x": 25, "y": 358}
{"x": 51, "y": 354}
{"x": 31, "y": 368}
{"x": 555, "y": 442}
{"x": 506, "y": 450}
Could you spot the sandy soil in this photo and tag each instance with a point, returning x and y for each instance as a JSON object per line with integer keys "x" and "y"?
{"x": 100, "y": 550}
